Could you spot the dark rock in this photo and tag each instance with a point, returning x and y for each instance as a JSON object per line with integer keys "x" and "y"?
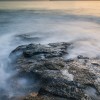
{"x": 59, "y": 77}
{"x": 38, "y": 57}
{"x": 82, "y": 57}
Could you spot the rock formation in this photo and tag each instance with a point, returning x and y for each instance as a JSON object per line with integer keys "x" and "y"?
{"x": 60, "y": 78}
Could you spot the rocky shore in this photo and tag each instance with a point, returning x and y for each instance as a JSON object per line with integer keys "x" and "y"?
{"x": 57, "y": 78}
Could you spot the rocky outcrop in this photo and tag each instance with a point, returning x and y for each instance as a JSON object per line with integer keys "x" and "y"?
{"x": 60, "y": 78}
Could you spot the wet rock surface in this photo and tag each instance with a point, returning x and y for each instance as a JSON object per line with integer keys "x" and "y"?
{"x": 59, "y": 78}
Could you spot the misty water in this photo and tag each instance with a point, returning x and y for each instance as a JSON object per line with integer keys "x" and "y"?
{"x": 18, "y": 27}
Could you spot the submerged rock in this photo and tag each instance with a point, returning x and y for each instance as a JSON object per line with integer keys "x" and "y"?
{"x": 59, "y": 77}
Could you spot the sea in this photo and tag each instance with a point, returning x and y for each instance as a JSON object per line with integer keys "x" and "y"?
{"x": 25, "y": 22}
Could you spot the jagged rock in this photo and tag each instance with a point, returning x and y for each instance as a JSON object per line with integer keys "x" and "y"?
{"x": 38, "y": 57}
{"x": 59, "y": 77}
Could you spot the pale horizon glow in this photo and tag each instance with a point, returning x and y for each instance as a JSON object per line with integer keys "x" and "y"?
{"x": 87, "y": 7}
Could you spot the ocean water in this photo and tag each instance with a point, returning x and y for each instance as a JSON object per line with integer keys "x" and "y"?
{"x": 48, "y": 22}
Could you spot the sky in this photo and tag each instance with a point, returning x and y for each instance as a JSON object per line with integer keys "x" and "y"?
{"x": 49, "y": 0}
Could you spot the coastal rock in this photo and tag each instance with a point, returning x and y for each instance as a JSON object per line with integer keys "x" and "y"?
{"x": 59, "y": 77}
{"x": 34, "y": 57}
